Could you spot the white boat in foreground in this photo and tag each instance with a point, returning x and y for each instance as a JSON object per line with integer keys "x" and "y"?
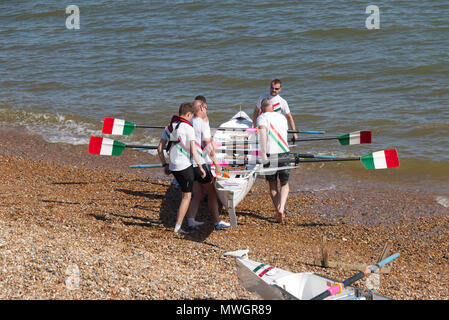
{"x": 271, "y": 283}
{"x": 233, "y": 188}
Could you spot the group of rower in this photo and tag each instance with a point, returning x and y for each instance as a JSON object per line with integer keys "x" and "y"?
{"x": 189, "y": 143}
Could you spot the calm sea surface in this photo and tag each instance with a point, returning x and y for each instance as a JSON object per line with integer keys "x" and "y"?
{"x": 138, "y": 60}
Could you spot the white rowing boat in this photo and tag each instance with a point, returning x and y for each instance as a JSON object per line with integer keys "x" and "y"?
{"x": 272, "y": 283}
{"x": 232, "y": 188}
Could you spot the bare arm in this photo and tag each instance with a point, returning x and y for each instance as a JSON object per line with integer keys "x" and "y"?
{"x": 211, "y": 151}
{"x": 160, "y": 152}
{"x": 255, "y": 115}
{"x": 291, "y": 123}
{"x": 263, "y": 142}
{"x": 196, "y": 157}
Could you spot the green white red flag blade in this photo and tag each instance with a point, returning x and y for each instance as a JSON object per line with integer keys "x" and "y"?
{"x": 117, "y": 127}
{"x": 384, "y": 159}
{"x": 105, "y": 146}
{"x": 357, "y": 137}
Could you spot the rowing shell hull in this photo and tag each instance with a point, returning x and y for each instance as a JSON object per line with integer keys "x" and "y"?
{"x": 232, "y": 190}
{"x": 272, "y": 283}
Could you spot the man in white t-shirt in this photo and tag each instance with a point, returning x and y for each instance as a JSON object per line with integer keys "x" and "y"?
{"x": 179, "y": 140}
{"x": 280, "y": 105}
{"x": 274, "y": 145}
{"x": 205, "y": 149}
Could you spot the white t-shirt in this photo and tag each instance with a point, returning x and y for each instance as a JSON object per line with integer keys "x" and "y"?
{"x": 279, "y": 103}
{"x": 277, "y": 129}
{"x": 202, "y": 133}
{"x": 179, "y": 153}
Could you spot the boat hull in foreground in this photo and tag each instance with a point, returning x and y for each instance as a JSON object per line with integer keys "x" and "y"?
{"x": 272, "y": 283}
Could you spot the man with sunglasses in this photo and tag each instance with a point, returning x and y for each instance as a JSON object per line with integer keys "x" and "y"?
{"x": 279, "y": 104}
{"x": 204, "y": 144}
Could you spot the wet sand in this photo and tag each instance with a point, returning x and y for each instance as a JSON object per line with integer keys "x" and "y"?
{"x": 79, "y": 226}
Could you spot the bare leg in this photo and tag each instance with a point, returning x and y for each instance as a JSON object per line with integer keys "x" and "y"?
{"x": 283, "y": 197}
{"x": 183, "y": 207}
{"x": 274, "y": 193}
{"x": 195, "y": 203}
{"x": 212, "y": 201}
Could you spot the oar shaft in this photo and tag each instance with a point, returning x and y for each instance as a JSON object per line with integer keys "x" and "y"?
{"x": 235, "y": 142}
{"x": 386, "y": 260}
{"x": 318, "y": 159}
{"x": 150, "y": 127}
{"x": 252, "y": 130}
{"x": 313, "y": 156}
{"x": 306, "y": 131}
{"x": 140, "y": 146}
{"x": 315, "y": 139}
{"x": 146, "y": 165}
{"x": 335, "y": 289}
{"x": 258, "y": 160}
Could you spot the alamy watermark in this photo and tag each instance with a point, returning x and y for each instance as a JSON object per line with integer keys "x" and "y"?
{"x": 72, "y": 21}
{"x": 373, "y": 20}
{"x": 72, "y": 282}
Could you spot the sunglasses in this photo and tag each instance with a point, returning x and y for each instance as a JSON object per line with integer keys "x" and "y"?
{"x": 273, "y": 88}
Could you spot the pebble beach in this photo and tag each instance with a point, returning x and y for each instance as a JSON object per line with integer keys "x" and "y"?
{"x": 82, "y": 227}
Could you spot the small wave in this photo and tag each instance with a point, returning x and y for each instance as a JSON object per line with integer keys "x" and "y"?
{"x": 130, "y": 29}
{"x": 63, "y": 128}
{"x": 30, "y": 15}
{"x": 436, "y": 68}
{"x": 336, "y": 32}
{"x": 444, "y": 201}
{"x": 52, "y": 127}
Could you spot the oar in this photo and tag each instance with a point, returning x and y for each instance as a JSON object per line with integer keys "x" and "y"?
{"x": 121, "y": 127}
{"x": 255, "y": 130}
{"x": 353, "y": 138}
{"x": 357, "y": 137}
{"x": 384, "y": 159}
{"x": 338, "y": 287}
{"x": 109, "y": 147}
{"x": 378, "y": 160}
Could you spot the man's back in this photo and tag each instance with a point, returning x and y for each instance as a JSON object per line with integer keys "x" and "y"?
{"x": 277, "y": 130}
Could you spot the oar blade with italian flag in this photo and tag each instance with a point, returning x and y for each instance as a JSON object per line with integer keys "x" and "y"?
{"x": 105, "y": 146}
{"x": 357, "y": 137}
{"x": 117, "y": 127}
{"x": 384, "y": 159}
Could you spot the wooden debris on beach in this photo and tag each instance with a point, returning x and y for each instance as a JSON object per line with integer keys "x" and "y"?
{"x": 324, "y": 262}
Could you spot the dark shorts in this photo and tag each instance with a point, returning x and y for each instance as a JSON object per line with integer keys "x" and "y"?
{"x": 283, "y": 175}
{"x": 185, "y": 179}
{"x": 209, "y": 176}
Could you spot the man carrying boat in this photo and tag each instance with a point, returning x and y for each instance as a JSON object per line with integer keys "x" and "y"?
{"x": 280, "y": 105}
{"x": 178, "y": 139}
{"x": 204, "y": 146}
{"x": 274, "y": 147}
